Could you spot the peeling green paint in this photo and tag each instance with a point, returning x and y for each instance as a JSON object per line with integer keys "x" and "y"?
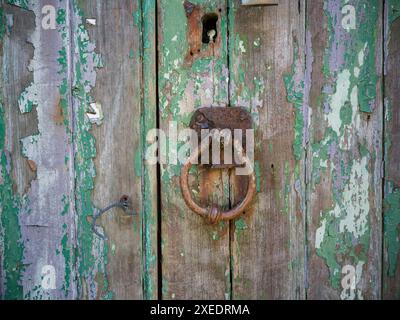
{"x": 92, "y": 253}
{"x": 394, "y": 10}
{"x": 63, "y": 62}
{"x": 11, "y": 247}
{"x": 10, "y": 233}
{"x": 2, "y": 24}
{"x": 240, "y": 224}
{"x": 391, "y": 227}
{"x": 146, "y": 24}
{"x": 24, "y": 4}
{"x": 343, "y": 236}
{"x": 365, "y": 36}
{"x": 28, "y": 99}
{"x": 244, "y": 91}
{"x": 295, "y": 95}
{"x": 257, "y": 170}
{"x": 66, "y": 251}
{"x": 286, "y": 185}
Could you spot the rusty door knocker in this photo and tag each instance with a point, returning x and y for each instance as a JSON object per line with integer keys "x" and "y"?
{"x": 213, "y": 118}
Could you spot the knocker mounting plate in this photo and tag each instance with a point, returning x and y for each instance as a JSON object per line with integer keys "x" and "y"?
{"x": 221, "y": 118}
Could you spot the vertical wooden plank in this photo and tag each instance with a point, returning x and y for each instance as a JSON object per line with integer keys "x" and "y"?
{"x": 115, "y": 29}
{"x": 92, "y": 259}
{"x": 266, "y": 76}
{"x": 149, "y": 172}
{"x": 15, "y": 174}
{"x": 344, "y": 159}
{"x": 195, "y": 255}
{"x": 37, "y": 217}
{"x": 391, "y": 263}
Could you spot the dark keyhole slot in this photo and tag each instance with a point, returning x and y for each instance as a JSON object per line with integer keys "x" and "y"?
{"x": 209, "y": 23}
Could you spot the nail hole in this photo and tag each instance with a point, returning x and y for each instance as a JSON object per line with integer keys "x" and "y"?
{"x": 209, "y": 27}
{"x": 272, "y": 166}
{"x": 191, "y": 53}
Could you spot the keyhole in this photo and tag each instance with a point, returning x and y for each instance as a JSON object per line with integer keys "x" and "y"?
{"x": 209, "y": 27}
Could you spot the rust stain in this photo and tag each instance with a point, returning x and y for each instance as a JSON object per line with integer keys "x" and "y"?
{"x": 197, "y": 49}
{"x": 58, "y": 116}
{"x": 32, "y": 165}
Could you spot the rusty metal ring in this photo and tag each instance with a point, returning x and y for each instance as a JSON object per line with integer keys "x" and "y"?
{"x": 214, "y": 212}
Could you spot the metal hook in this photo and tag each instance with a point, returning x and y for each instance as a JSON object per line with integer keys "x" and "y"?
{"x": 123, "y": 203}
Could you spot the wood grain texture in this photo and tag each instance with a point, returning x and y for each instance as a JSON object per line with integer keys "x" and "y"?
{"x": 195, "y": 256}
{"x": 326, "y": 122}
{"x": 391, "y": 262}
{"x": 150, "y": 206}
{"x": 68, "y": 167}
{"x": 15, "y": 173}
{"x": 38, "y": 224}
{"x": 266, "y": 71}
{"x": 345, "y": 151}
{"x": 118, "y": 139}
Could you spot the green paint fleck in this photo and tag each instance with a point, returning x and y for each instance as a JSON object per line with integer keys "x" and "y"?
{"x": 286, "y": 188}
{"x": 295, "y": 95}
{"x": 392, "y": 227}
{"x": 343, "y": 236}
{"x": 2, "y": 24}
{"x": 257, "y": 170}
{"x": 138, "y": 163}
{"x": 10, "y": 232}
{"x": 92, "y": 257}
{"x": 24, "y": 4}
{"x": 67, "y": 252}
{"x": 240, "y": 224}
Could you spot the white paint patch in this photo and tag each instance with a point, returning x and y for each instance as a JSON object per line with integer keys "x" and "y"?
{"x": 242, "y": 49}
{"x": 361, "y": 55}
{"x": 29, "y": 146}
{"x": 319, "y": 235}
{"x": 343, "y": 93}
{"x": 355, "y": 200}
{"x": 354, "y": 209}
{"x": 96, "y": 113}
{"x": 257, "y": 42}
{"x": 28, "y": 98}
{"x": 338, "y": 99}
{"x": 91, "y": 21}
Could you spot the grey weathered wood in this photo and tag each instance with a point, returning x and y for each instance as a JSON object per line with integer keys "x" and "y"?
{"x": 391, "y": 262}
{"x": 118, "y": 91}
{"x": 195, "y": 256}
{"x": 322, "y": 132}
{"x": 45, "y": 219}
{"x": 345, "y": 151}
{"x": 268, "y": 240}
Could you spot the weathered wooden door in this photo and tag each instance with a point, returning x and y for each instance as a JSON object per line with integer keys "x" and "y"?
{"x": 84, "y": 82}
